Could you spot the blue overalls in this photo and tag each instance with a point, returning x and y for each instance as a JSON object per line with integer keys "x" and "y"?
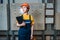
{"x": 25, "y": 31}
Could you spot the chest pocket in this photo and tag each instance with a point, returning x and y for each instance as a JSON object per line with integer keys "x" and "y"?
{"x": 27, "y": 21}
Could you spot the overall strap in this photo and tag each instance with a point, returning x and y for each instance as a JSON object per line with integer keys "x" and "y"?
{"x": 29, "y": 17}
{"x": 22, "y": 16}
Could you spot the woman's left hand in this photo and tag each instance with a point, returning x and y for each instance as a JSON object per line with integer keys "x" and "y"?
{"x": 31, "y": 36}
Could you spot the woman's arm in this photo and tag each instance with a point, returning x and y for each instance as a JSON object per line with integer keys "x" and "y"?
{"x": 32, "y": 25}
{"x": 32, "y": 32}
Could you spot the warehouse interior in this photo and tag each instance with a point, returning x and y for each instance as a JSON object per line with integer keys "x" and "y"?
{"x": 47, "y": 27}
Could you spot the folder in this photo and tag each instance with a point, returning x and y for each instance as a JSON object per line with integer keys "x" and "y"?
{"x": 19, "y": 19}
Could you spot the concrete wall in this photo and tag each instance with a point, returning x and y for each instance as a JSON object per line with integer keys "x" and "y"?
{"x": 36, "y": 9}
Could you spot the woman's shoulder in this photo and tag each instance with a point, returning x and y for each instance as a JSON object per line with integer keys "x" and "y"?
{"x": 31, "y": 15}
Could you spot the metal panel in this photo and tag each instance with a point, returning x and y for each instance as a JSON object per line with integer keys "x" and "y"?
{"x": 3, "y": 38}
{"x": 3, "y": 17}
{"x": 57, "y": 23}
{"x": 57, "y": 5}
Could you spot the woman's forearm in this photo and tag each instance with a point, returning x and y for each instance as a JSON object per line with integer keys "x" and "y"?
{"x": 18, "y": 25}
{"x": 32, "y": 30}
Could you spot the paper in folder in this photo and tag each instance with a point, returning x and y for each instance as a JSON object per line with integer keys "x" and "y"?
{"x": 19, "y": 19}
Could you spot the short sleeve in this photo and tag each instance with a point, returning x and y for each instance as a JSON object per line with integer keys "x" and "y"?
{"x": 32, "y": 20}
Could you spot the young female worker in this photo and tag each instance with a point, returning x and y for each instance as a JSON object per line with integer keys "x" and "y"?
{"x": 26, "y": 27}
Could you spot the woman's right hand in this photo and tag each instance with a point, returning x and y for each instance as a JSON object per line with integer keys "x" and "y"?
{"x": 22, "y": 24}
{"x": 18, "y": 24}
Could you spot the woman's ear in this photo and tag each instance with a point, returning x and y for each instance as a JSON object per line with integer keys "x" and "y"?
{"x": 27, "y": 10}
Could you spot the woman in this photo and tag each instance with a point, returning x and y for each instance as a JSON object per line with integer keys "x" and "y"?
{"x": 26, "y": 27}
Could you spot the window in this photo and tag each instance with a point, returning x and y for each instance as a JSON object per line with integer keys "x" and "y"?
{"x": 49, "y": 5}
{"x": 49, "y": 20}
{"x": 49, "y": 12}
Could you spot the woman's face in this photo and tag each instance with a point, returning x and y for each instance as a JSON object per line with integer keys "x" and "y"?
{"x": 24, "y": 8}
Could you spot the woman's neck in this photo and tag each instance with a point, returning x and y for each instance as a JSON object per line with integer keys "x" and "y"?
{"x": 26, "y": 13}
